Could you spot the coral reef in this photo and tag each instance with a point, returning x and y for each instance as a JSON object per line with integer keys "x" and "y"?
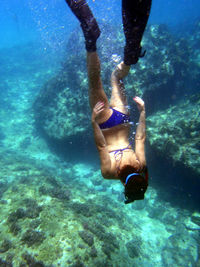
{"x": 134, "y": 247}
{"x": 87, "y": 238}
{"x": 93, "y": 228}
{"x": 5, "y": 246}
{"x": 33, "y": 237}
{"x": 30, "y": 260}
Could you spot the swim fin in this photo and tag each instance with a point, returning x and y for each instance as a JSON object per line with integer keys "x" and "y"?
{"x": 135, "y": 14}
{"x": 88, "y": 23}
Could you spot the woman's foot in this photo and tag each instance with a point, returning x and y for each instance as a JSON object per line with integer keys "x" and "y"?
{"x": 121, "y": 71}
{"x": 89, "y": 24}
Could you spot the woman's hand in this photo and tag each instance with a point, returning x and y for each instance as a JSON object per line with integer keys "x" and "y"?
{"x": 140, "y": 103}
{"x": 98, "y": 108}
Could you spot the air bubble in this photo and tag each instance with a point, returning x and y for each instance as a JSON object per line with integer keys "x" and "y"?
{"x": 116, "y": 58}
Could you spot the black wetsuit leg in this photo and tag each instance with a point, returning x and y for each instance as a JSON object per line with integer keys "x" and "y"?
{"x": 135, "y": 14}
{"x": 89, "y": 25}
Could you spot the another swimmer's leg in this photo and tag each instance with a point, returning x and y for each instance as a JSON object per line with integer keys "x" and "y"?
{"x": 88, "y": 23}
{"x": 96, "y": 92}
{"x": 135, "y": 14}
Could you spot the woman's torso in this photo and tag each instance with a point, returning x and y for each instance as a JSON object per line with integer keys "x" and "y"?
{"x": 120, "y": 148}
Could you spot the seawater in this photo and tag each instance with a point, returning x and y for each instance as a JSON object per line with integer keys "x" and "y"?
{"x": 55, "y": 207}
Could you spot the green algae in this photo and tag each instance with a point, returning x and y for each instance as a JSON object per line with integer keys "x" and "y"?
{"x": 51, "y": 219}
{"x": 50, "y": 251}
{"x": 105, "y": 225}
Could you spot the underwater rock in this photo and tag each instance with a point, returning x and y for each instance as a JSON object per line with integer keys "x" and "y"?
{"x": 14, "y": 188}
{"x": 133, "y": 248}
{"x": 103, "y": 263}
{"x": 30, "y": 202}
{"x": 93, "y": 252}
{"x": 196, "y": 218}
{"x": 22, "y": 264}
{"x": 59, "y": 118}
{"x": 33, "y": 209}
{"x": 87, "y": 237}
{"x": 44, "y": 190}
{"x": 5, "y": 245}
{"x": 82, "y": 209}
{"x": 100, "y": 232}
{"x": 9, "y": 259}
{"x": 60, "y": 193}
{"x": 174, "y": 253}
{"x": 16, "y": 215}
{"x": 109, "y": 240}
{"x": 31, "y": 261}
{"x": 57, "y": 192}
{"x": 33, "y": 237}
{"x": 93, "y": 227}
{"x": 174, "y": 133}
{"x": 15, "y": 228}
{"x": 52, "y": 181}
{"x": 35, "y": 223}
{"x": 78, "y": 263}
{"x": 61, "y": 109}
{"x": 107, "y": 249}
{"x": 4, "y": 263}
{"x": 3, "y": 201}
{"x": 33, "y": 212}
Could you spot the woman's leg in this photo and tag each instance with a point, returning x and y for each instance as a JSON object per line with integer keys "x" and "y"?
{"x": 91, "y": 33}
{"x": 118, "y": 96}
{"x": 96, "y": 92}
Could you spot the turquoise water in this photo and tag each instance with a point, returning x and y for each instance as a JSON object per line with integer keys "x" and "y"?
{"x": 56, "y": 209}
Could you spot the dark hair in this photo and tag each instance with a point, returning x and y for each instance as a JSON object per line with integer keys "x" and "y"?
{"x": 125, "y": 171}
{"x": 136, "y": 185}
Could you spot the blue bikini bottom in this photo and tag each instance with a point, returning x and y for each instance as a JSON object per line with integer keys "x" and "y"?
{"x": 116, "y": 118}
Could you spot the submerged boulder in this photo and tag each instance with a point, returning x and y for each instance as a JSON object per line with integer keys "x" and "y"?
{"x": 174, "y": 133}
{"x": 196, "y": 218}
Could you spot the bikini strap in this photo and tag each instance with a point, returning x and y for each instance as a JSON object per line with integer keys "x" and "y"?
{"x": 118, "y": 153}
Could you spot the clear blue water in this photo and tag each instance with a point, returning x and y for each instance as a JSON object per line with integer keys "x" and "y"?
{"x": 27, "y": 20}
{"x": 33, "y": 38}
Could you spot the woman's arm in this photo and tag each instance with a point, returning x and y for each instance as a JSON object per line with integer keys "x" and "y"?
{"x": 101, "y": 142}
{"x": 140, "y": 135}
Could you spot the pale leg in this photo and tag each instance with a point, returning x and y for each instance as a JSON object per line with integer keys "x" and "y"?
{"x": 96, "y": 91}
{"x": 118, "y": 96}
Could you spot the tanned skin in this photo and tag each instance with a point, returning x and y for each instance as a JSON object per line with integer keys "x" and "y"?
{"x": 116, "y": 137}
